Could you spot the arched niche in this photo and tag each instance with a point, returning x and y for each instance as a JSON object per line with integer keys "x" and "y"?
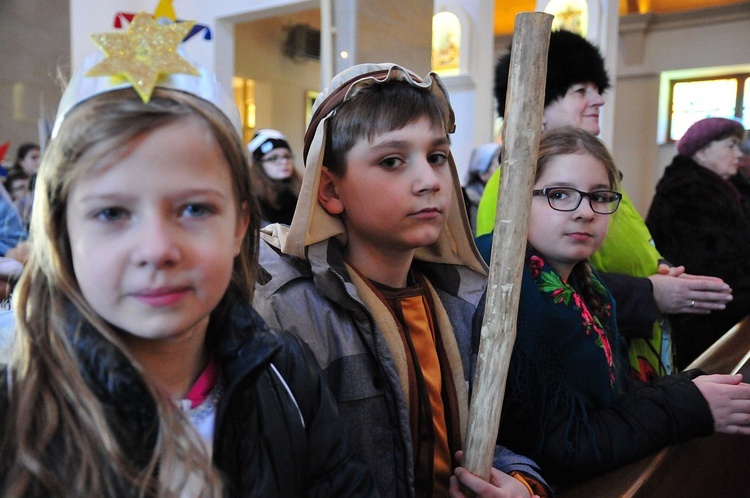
{"x": 570, "y": 15}
{"x": 593, "y": 18}
{"x": 451, "y": 41}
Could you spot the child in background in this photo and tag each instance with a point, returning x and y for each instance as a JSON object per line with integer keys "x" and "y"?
{"x": 27, "y": 163}
{"x": 17, "y": 185}
{"x": 568, "y": 402}
{"x": 378, "y": 273}
{"x": 27, "y": 158}
{"x": 483, "y": 162}
{"x": 140, "y": 369}
{"x": 275, "y": 179}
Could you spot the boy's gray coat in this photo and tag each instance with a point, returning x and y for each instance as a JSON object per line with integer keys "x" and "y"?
{"x": 316, "y": 300}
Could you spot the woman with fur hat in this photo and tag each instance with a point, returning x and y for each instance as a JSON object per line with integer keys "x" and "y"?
{"x": 576, "y": 81}
{"x": 274, "y": 176}
{"x": 700, "y": 220}
{"x": 645, "y": 290}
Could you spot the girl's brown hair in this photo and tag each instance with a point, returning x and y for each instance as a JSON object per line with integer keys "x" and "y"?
{"x": 567, "y": 140}
{"x": 57, "y": 440}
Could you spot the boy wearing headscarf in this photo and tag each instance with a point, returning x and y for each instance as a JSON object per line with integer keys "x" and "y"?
{"x": 379, "y": 275}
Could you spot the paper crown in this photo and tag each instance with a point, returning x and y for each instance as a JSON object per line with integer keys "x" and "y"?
{"x": 145, "y": 57}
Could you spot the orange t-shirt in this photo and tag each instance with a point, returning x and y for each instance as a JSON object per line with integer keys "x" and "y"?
{"x": 412, "y": 310}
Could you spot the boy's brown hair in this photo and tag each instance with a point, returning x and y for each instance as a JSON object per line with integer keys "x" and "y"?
{"x": 374, "y": 110}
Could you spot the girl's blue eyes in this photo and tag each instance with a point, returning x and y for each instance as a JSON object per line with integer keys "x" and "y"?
{"x": 115, "y": 214}
{"x": 197, "y": 210}
{"x": 110, "y": 214}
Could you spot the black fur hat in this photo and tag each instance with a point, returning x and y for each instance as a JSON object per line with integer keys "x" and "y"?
{"x": 572, "y": 59}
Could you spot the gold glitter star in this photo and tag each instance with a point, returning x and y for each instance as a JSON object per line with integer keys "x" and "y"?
{"x": 144, "y": 52}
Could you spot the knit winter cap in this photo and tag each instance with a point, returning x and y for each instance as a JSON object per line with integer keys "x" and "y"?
{"x": 703, "y": 132}
{"x": 264, "y": 141}
{"x": 571, "y": 59}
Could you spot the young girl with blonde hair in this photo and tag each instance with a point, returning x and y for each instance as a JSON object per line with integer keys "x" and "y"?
{"x": 140, "y": 369}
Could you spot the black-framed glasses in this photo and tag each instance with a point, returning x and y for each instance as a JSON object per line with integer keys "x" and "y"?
{"x": 278, "y": 159}
{"x": 568, "y": 199}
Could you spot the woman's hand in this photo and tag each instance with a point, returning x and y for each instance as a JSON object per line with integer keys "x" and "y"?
{"x": 678, "y": 292}
{"x": 729, "y": 400}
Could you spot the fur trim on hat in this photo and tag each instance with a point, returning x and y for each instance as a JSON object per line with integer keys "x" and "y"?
{"x": 571, "y": 59}
{"x": 703, "y": 132}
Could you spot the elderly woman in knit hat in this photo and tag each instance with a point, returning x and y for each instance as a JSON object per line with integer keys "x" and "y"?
{"x": 645, "y": 290}
{"x": 699, "y": 220}
{"x": 275, "y": 179}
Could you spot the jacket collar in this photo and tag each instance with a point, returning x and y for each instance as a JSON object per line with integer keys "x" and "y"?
{"x": 246, "y": 341}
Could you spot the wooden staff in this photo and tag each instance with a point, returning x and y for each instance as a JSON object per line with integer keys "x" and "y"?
{"x": 521, "y": 132}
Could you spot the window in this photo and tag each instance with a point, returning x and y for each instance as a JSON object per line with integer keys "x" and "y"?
{"x": 692, "y": 99}
{"x": 244, "y": 97}
{"x": 570, "y": 15}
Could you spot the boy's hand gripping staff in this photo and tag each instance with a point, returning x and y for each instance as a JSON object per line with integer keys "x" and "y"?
{"x": 521, "y": 134}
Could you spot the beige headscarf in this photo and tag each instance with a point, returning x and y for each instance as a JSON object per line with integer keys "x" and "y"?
{"x": 313, "y": 224}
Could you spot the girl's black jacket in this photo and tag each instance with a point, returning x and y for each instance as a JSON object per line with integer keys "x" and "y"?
{"x": 273, "y": 437}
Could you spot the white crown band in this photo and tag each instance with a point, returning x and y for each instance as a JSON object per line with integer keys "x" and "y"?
{"x": 125, "y": 66}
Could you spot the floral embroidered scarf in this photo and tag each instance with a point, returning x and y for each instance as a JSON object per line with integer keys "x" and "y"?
{"x": 566, "y": 361}
{"x": 563, "y": 293}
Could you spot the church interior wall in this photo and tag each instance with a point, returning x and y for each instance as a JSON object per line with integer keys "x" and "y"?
{"x": 698, "y": 39}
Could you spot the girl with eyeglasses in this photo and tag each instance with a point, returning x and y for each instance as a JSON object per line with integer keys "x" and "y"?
{"x": 569, "y": 403}
{"x": 275, "y": 179}
{"x": 648, "y": 288}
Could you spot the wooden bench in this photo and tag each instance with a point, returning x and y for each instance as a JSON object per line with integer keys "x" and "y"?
{"x": 713, "y": 466}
